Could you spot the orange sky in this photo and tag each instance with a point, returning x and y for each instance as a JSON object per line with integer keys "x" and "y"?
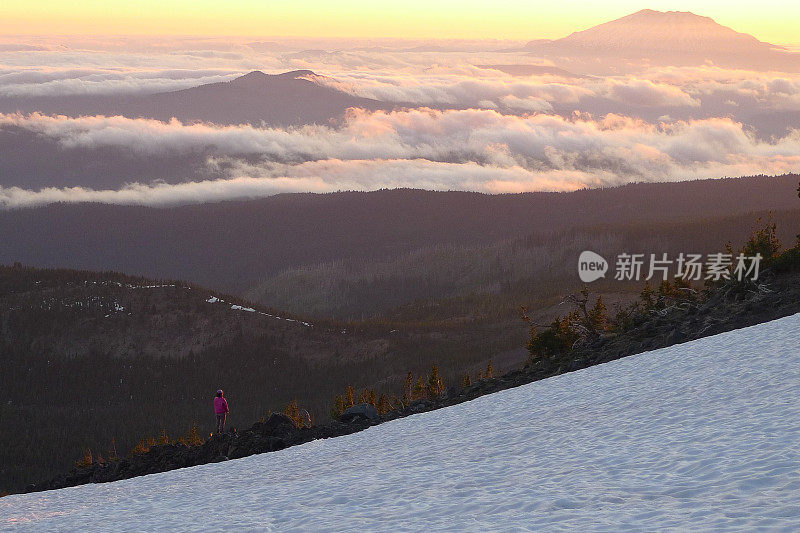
{"x": 770, "y": 20}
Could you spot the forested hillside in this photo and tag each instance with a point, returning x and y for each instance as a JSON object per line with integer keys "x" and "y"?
{"x": 236, "y": 246}
{"x": 487, "y": 280}
{"x": 102, "y": 360}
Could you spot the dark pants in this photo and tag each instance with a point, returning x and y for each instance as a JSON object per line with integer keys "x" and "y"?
{"x": 221, "y": 422}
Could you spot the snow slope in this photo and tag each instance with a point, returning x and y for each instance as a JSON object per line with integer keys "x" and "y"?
{"x": 701, "y": 436}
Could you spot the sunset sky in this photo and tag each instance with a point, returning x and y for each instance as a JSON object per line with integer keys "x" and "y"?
{"x": 769, "y": 20}
{"x": 76, "y": 78}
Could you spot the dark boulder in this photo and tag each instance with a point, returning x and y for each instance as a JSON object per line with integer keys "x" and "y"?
{"x": 276, "y": 424}
{"x": 275, "y": 444}
{"x": 364, "y": 411}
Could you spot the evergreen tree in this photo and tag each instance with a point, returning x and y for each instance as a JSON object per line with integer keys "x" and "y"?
{"x": 598, "y": 316}
{"x": 764, "y": 240}
{"x": 293, "y": 412}
{"x": 384, "y": 406}
{"x": 419, "y": 390}
{"x": 338, "y": 407}
{"x": 408, "y": 387}
{"x": 435, "y": 385}
{"x": 648, "y": 297}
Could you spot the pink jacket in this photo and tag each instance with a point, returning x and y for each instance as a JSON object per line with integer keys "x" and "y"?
{"x": 220, "y": 405}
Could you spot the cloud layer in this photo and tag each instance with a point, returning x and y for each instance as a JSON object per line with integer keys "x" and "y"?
{"x": 473, "y": 149}
{"x": 459, "y": 123}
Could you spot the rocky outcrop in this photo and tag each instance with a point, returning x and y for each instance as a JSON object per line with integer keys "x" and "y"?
{"x": 365, "y": 411}
{"x": 275, "y": 433}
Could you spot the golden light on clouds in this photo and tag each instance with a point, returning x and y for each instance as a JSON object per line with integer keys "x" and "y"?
{"x": 769, "y": 20}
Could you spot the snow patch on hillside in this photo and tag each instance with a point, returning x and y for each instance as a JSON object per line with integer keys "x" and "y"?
{"x": 236, "y": 307}
{"x": 700, "y": 436}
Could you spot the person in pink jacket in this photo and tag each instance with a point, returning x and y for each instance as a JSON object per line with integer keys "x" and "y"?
{"x": 221, "y": 410}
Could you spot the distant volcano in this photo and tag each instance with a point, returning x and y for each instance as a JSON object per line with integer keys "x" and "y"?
{"x": 670, "y": 38}
{"x": 290, "y": 98}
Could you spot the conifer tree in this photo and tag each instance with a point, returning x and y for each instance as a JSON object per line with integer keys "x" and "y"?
{"x": 648, "y": 297}
{"x": 435, "y": 386}
{"x": 598, "y": 316}
{"x": 490, "y": 370}
{"x": 419, "y": 390}
{"x": 384, "y": 406}
{"x": 338, "y": 407}
{"x": 293, "y": 412}
{"x": 408, "y": 387}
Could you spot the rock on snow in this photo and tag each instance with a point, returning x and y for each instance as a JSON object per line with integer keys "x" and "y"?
{"x": 704, "y": 435}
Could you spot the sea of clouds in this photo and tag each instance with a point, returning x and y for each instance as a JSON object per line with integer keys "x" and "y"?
{"x": 452, "y": 122}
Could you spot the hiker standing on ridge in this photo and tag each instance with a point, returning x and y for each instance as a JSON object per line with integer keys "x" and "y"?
{"x": 221, "y": 410}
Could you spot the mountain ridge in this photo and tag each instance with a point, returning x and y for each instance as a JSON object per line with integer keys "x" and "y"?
{"x": 293, "y": 230}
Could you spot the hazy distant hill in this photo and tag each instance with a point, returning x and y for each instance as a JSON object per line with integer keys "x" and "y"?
{"x": 672, "y": 31}
{"x": 670, "y": 38}
{"x": 291, "y": 98}
{"x": 238, "y": 245}
{"x": 287, "y": 99}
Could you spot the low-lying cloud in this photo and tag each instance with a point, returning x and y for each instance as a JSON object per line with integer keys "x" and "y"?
{"x": 474, "y": 149}
{"x": 479, "y": 135}
{"x": 458, "y": 124}
{"x": 61, "y": 82}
